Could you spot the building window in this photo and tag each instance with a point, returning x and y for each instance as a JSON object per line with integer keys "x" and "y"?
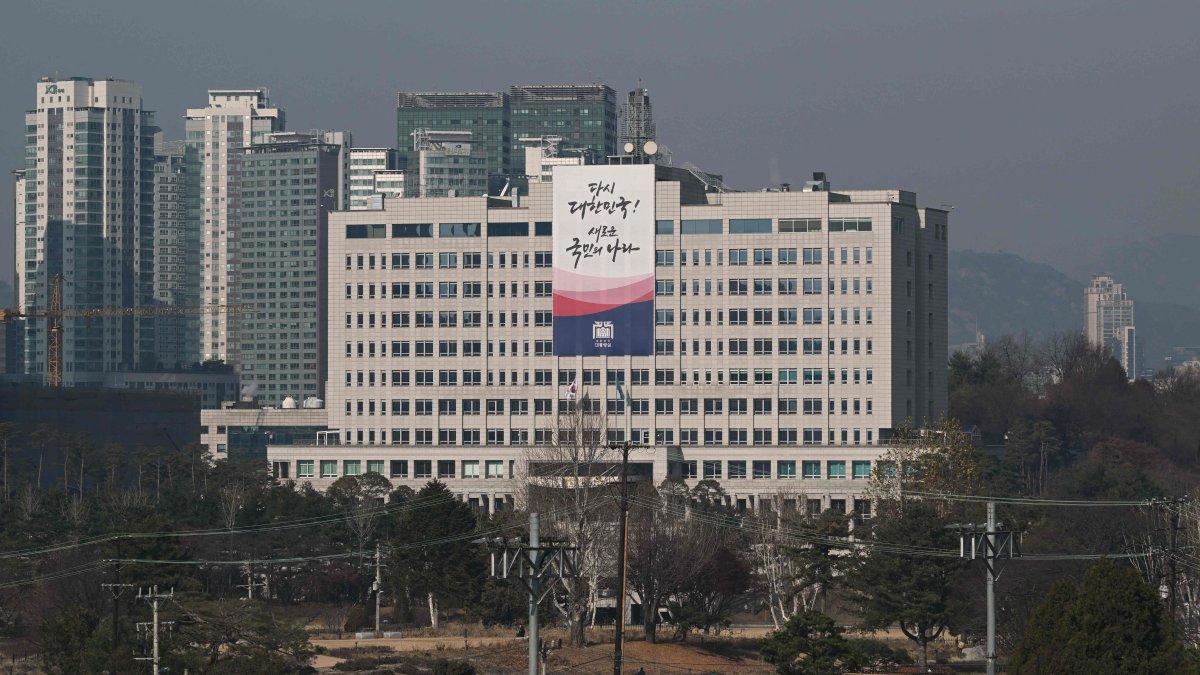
{"x": 737, "y": 469}
{"x": 304, "y": 468}
{"x": 707, "y": 226}
{"x": 850, "y": 225}
{"x": 749, "y": 225}
{"x": 788, "y": 225}
{"x": 447, "y": 230}
{"x": 786, "y": 469}
{"x": 399, "y": 467}
{"x": 422, "y": 468}
{"x": 761, "y": 468}
{"x": 328, "y": 468}
{"x": 508, "y": 229}
{"x": 862, "y": 469}
{"x": 835, "y": 470}
{"x": 811, "y": 469}
{"x": 712, "y": 469}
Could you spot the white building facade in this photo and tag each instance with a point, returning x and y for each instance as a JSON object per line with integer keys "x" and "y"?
{"x": 1109, "y": 324}
{"x": 216, "y": 136}
{"x": 365, "y": 164}
{"x": 794, "y": 331}
{"x": 87, "y": 213}
{"x": 290, "y": 183}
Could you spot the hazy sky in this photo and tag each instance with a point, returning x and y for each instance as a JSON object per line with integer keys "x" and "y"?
{"x": 1055, "y": 129}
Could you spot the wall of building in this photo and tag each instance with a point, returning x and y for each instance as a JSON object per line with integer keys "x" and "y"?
{"x": 96, "y": 228}
{"x": 773, "y": 342}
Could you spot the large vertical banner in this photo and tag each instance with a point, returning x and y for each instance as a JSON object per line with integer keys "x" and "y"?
{"x": 604, "y": 260}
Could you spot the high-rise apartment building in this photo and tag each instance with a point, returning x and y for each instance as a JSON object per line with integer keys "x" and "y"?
{"x": 176, "y": 259}
{"x": 485, "y": 114}
{"x": 216, "y": 137}
{"x": 365, "y": 164}
{"x": 1109, "y": 323}
{"x": 88, "y": 214}
{"x": 288, "y": 185}
{"x": 792, "y": 332}
{"x": 584, "y": 116}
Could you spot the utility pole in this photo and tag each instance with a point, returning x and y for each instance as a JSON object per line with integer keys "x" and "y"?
{"x": 995, "y": 544}
{"x": 991, "y": 587}
{"x": 378, "y": 588}
{"x": 622, "y": 554}
{"x": 535, "y": 593}
{"x": 152, "y": 596}
{"x": 539, "y": 565}
{"x": 116, "y": 589}
{"x": 1172, "y": 552}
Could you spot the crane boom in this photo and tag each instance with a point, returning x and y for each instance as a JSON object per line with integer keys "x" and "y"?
{"x": 54, "y": 315}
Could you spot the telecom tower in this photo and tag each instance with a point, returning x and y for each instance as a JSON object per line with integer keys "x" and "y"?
{"x": 637, "y": 126}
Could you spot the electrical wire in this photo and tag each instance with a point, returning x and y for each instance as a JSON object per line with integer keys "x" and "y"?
{"x": 102, "y": 563}
{"x": 1026, "y": 501}
{"x": 248, "y": 529}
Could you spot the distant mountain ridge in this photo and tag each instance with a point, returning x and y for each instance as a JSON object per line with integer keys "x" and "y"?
{"x": 1161, "y": 269}
{"x": 1005, "y": 294}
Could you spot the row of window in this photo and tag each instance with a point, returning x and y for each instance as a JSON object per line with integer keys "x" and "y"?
{"x": 662, "y": 376}
{"x": 766, "y": 316}
{"x": 638, "y": 406}
{"x": 425, "y": 290}
{"x": 762, "y": 316}
{"x": 446, "y": 230}
{"x": 545, "y": 228}
{"x": 425, "y": 261}
{"x": 761, "y": 225}
{"x": 664, "y": 258}
{"x": 689, "y": 436}
{"x": 765, "y": 256}
{"x": 767, "y": 286}
{"x": 665, "y": 347}
{"x": 758, "y": 469}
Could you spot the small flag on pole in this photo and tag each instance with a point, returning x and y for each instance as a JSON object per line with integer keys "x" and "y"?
{"x": 572, "y": 390}
{"x": 620, "y": 392}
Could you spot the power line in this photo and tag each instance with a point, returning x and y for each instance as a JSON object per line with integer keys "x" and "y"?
{"x": 100, "y": 564}
{"x": 1026, "y": 501}
{"x": 247, "y": 529}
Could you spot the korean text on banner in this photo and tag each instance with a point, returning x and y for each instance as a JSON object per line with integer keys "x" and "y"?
{"x": 603, "y": 260}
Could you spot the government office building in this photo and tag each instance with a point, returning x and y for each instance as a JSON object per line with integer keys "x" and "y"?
{"x": 793, "y": 331}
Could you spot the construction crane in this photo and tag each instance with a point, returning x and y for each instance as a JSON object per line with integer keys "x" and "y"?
{"x": 54, "y": 315}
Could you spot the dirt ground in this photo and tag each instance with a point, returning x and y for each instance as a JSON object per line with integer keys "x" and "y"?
{"x": 735, "y": 652}
{"x": 508, "y": 654}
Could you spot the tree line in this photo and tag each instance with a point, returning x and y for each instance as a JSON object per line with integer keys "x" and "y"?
{"x": 253, "y": 560}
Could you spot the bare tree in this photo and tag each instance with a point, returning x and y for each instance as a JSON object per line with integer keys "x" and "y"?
{"x": 795, "y": 570}
{"x": 231, "y": 498}
{"x": 667, "y": 549}
{"x": 1018, "y": 356}
{"x": 570, "y": 479}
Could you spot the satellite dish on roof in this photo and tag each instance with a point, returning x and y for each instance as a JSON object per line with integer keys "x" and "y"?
{"x": 650, "y": 148}
{"x": 628, "y": 148}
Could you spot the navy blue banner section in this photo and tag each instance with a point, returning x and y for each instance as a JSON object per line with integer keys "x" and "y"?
{"x": 628, "y": 329}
